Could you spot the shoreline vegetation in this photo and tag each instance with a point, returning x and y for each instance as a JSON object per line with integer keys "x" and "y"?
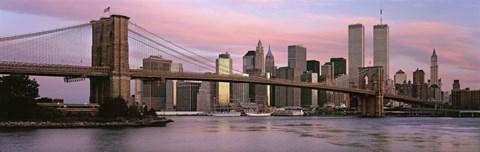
{"x": 86, "y": 123}
{"x": 21, "y": 108}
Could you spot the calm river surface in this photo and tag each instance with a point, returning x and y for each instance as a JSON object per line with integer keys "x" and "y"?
{"x": 206, "y": 134}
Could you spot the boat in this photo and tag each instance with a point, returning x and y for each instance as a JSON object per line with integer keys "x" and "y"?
{"x": 255, "y": 110}
{"x": 289, "y": 111}
{"x": 259, "y": 114}
{"x": 231, "y": 113}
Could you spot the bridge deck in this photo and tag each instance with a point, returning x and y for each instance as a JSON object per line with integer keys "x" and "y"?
{"x": 87, "y": 71}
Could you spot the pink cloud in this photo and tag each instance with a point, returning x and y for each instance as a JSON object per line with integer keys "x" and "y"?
{"x": 211, "y": 32}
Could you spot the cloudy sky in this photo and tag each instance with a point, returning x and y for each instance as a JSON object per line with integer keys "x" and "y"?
{"x": 235, "y": 26}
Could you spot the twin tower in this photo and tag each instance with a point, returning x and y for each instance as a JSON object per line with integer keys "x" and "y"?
{"x": 361, "y": 76}
{"x": 356, "y": 49}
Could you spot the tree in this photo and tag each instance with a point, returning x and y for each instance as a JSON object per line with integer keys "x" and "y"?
{"x": 133, "y": 112}
{"x": 17, "y": 97}
{"x": 113, "y": 108}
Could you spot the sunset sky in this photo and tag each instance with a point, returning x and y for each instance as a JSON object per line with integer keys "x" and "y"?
{"x": 451, "y": 27}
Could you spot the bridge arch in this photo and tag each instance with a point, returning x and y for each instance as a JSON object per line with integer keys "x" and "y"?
{"x": 371, "y": 78}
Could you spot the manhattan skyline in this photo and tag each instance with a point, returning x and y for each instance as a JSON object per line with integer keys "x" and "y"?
{"x": 214, "y": 27}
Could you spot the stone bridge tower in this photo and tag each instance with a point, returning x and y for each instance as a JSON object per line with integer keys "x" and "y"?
{"x": 110, "y": 49}
{"x": 371, "y": 78}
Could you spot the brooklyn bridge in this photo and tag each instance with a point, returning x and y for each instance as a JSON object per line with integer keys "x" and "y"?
{"x": 115, "y": 46}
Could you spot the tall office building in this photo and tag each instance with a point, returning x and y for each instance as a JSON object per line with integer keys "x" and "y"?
{"x": 254, "y": 65}
{"x": 381, "y": 49}
{"x": 340, "y": 67}
{"x": 420, "y": 88}
{"x": 260, "y": 58}
{"x": 270, "y": 72}
{"x": 314, "y": 66}
{"x": 284, "y": 95}
{"x": 356, "y": 51}
{"x": 456, "y": 85}
{"x": 239, "y": 92}
{"x": 206, "y": 95}
{"x": 270, "y": 63}
{"x": 434, "y": 69}
{"x": 172, "y": 87}
{"x": 400, "y": 77}
{"x": 309, "y": 96}
{"x": 224, "y": 67}
{"x": 138, "y": 91}
{"x": 435, "y": 82}
{"x": 154, "y": 92}
{"x": 249, "y": 61}
{"x": 187, "y": 96}
{"x": 328, "y": 77}
{"x": 327, "y": 71}
{"x": 297, "y": 59}
{"x": 418, "y": 76}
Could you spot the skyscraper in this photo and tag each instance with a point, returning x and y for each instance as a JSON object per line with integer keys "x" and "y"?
{"x": 270, "y": 70}
{"x": 205, "y": 96}
{"x": 356, "y": 51}
{"x": 420, "y": 88}
{"x": 435, "y": 83}
{"x": 314, "y": 66}
{"x": 249, "y": 62}
{"x": 400, "y": 77}
{"x": 327, "y": 71}
{"x": 270, "y": 63}
{"x": 138, "y": 91}
{"x": 187, "y": 95}
{"x": 172, "y": 87}
{"x": 433, "y": 69}
{"x": 224, "y": 67}
{"x": 381, "y": 49}
{"x": 297, "y": 59}
{"x": 309, "y": 96}
{"x": 418, "y": 77}
{"x": 284, "y": 95}
{"x": 154, "y": 92}
{"x": 340, "y": 66}
{"x": 239, "y": 92}
{"x": 260, "y": 58}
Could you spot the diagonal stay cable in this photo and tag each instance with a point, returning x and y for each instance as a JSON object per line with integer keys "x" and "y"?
{"x": 206, "y": 68}
{"x": 178, "y": 52}
{"x": 155, "y": 35}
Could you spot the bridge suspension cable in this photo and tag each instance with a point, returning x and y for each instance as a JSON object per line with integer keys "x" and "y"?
{"x": 42, "y": 33}
{"x": 173, "y": 50}
{"x": 166, "y": 52}
{"x": 69, "y": 45}
{"x": 182, "y": 48}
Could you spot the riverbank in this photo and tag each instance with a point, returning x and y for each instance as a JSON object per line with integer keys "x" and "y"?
{"x": 114, "y": 123}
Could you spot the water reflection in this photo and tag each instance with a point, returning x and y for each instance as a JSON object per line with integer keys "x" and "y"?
{"x": 260, "y": 134}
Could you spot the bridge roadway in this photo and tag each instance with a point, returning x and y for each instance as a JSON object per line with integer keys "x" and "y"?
{"x": 88, "y": 71}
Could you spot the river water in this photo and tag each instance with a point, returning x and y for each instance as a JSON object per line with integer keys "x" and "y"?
{"x": 210, "y": 134}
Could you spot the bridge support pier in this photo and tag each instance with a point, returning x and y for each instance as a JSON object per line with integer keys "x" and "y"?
{"x": 371, "y": 106}
{"x": 371, "y": 78}
{"x": 110, "y": 49}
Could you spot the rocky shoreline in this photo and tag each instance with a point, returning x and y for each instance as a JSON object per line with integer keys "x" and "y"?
{"x": 85, "y": 124}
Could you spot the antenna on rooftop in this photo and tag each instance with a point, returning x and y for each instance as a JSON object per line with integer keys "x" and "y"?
{"x": 381, "y": 2}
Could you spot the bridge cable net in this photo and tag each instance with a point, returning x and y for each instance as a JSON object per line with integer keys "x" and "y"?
{"x": 157, "y": 43}
{"x": 64, "y": 46}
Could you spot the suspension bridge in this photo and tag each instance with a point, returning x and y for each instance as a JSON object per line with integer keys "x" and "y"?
{"x": 109, "y": 52}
